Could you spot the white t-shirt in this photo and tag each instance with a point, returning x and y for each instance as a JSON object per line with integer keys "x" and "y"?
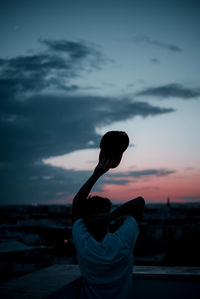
{"x": 106, "y": 266}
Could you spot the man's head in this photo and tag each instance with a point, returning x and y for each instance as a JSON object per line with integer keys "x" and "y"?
{"x": 97, "y": 205}
{"x": 96, "y": 215}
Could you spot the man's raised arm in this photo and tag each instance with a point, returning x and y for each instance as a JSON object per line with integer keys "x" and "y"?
{"x": 81, "y": 197}
{"x": 134, "y": 207}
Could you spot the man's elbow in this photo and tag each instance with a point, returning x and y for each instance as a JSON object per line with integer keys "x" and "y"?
{"x": 138, "y": 213}
{"x": 140, "y": 201}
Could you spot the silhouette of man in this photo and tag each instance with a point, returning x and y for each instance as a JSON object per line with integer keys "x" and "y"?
{"x": 105, "y": 240}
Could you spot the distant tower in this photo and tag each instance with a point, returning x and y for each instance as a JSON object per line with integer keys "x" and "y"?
{"x": 168, "y": 202}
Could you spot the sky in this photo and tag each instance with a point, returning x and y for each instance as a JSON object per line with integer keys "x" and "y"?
{"x": 72, "y": 70}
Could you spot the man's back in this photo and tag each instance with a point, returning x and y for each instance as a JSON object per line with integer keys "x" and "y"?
{"x": 106, "y": 266}
{"x": 105, "y": 259}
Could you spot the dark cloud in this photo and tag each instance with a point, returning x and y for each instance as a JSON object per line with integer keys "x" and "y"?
{"x": 52, "y": 68}
{"x": 121, "y": 178}
{"x": 75, "y": 50}
{"x": 154, "y": 60}
{"x": 144, "y": 39}
{"x": 40, "y": 116}
{"x": 44, "y": 126}
{"x": 147, "y": 172}
{"x": 39, "y": 183}
{"x": 113, "y": 181}
{"x": 171, "y": 90}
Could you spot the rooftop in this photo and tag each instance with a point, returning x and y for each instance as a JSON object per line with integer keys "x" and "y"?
{"x": 62, "y": 281}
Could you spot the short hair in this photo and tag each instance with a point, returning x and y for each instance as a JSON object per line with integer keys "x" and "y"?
{"x": 96, "y": 205}
{"x": 96, "y": 215}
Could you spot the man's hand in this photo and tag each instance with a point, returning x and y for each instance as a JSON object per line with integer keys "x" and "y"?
{"x": 103, "y": 166}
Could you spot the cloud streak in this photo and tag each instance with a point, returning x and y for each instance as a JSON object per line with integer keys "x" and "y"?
{"x": 172, "y": 90}
{"x": 50, "y": 69}
{"x": 122, "y": 178}
{"x": 144, "y": 39}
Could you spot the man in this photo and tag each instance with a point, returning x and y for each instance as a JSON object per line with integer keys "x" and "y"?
{"x": 105, "y": 241}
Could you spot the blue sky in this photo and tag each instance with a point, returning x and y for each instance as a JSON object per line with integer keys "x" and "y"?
{"x": 72, "y": 70}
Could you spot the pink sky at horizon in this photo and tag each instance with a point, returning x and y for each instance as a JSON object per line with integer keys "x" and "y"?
{"x": 181, "y": 184}
{"x": 179, "y": 188}
{"x": 176, "y": 187}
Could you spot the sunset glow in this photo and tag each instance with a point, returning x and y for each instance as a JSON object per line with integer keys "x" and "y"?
{"x": 71, "y": 71}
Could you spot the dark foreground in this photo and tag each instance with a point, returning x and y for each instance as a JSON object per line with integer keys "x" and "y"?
{"x": 35, "y": 237}
{"x": 64, "y": 281}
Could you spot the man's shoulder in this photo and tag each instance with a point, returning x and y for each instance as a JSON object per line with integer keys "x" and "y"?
{"x": 128, "y": 219}
{"x": 79, "y": 232}
{"x": 131, "y": 222}
{"x": 78, "y": 223}
{"x": 128, "y": 231}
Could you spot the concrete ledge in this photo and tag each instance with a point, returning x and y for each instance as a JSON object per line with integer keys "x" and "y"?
{"x": 166, "y": 272}
{"x": 72, "y": 291}
{"x": 64, "y": 281}
{"x": 40, "y": 284}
